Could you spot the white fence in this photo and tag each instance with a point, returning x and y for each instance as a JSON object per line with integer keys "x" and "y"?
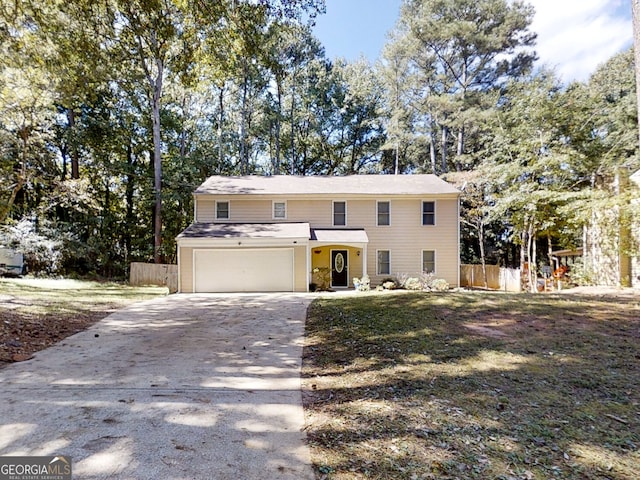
{"x": 498, "y": 278}
{"x": 154, "y": 274}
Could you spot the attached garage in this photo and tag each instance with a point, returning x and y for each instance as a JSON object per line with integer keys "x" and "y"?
{"x": 244, "y": 270}
{"x": 243, "y": 257}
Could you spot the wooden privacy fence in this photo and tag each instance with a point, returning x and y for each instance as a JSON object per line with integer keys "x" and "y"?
{"x": 498, "y": 278}
{"x": 154, "y": 274}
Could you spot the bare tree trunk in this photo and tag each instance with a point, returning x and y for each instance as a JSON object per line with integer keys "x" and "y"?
{"x": 534, "y": 260}
{"x": 157, "y": 160}
{"x": 523, "y": 258}
{"x": 75, "y": 161}
{"x": 635, "y": 8}
{"x": 445, "y": 135}
{"x": 276, "y": 165}
{"x": 183, "y": 133}
{"x": 354, "y": 154}
{"x": 530, "y": 279}
{"x": 460, "y": 148}
{"x": 157, "y": 182}
{"x": 624, "y": 229}
{"x": 220, "y": 121}
{"x": 396, "y": 168}
{"x": 244, "y": 162}
{"x": 482, "y": 254}
{"x": 129, "y": 191}
{"x": 24, "y": 134}
{"x": 293, "y": 130}
{"x": 531, "y": 254}
{"x": 432, "y": 154}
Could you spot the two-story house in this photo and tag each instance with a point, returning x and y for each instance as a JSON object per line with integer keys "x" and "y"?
{"x": 259, "y": 234}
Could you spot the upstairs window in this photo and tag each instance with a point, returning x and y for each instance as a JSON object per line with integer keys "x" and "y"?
{"x": 279, "y": 210}
{"x": 428, "y": 261}
{"x": 384, "y": 213}
{"x": 222, "y": 210}
{"x": 428, "y": 213}
{"x": 339, "y": 213}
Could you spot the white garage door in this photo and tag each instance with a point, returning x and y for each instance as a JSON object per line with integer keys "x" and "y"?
{"x": 243, "y": 270}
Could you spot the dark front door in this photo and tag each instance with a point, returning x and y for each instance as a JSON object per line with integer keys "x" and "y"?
{"x": 339, "y": 270}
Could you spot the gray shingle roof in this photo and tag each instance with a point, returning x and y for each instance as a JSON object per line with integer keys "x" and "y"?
{"x": 246, "y": 230}
{"x": 322, "y": 185}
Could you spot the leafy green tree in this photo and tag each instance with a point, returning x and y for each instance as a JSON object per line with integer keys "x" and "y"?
{"x": 605, "y": 113}
{"x": 359, "y": 134}
{"x": 26, "y": 109}
{"x": 405, "y": 129}
{"x": 529, "y": 161}
{"x": 457, "y": 50}
{"x": 635, "y": 9}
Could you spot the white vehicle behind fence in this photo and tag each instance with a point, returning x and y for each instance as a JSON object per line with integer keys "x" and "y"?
{"x": 11, "y": 262}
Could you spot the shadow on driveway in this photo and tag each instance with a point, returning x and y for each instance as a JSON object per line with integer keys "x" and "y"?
{"x": 183, "y": 387}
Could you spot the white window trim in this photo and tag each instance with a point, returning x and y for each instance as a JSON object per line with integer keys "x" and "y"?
{"x": 435, "y": 212}
{"x": 435, "y": 259}
{"x": 273, "y": 210}
{"x": 333, "y": 213}
{"x": 378, "y": 202}
{"x": 228, "y": 209}
{"x": 378, "y": 272}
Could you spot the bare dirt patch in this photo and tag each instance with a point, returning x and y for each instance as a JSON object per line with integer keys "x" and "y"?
{"x": 37, "y": 313}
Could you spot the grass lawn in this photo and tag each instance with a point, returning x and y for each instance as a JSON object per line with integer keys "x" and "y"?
{"x": 473, "y": 385}
{"x": 36, "y": 313}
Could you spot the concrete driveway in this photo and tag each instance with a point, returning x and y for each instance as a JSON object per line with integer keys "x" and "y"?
{"x": 183, "y": 387}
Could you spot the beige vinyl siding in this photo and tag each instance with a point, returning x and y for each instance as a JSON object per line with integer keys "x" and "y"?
{"x": 205, "y": 210}
{"x": 301, "y": 280}
{"x": 186, "y": 270}
{"x": 405, "y": 237}
{"x": 241, "y": 211}
{"x": 318, "y": 213}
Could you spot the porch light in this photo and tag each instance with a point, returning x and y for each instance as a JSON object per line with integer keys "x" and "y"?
{"x": 317, "y": 252}
{"x": 358, "y": 253}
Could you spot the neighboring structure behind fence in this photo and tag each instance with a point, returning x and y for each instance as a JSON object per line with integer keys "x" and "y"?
{"x": 506, "y": 279}
{"x": 154, "y": 274}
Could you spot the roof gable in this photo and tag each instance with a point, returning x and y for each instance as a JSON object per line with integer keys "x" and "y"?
{"x": 327, "y": 185}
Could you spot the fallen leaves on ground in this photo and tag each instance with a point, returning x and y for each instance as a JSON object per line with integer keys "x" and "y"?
{"x": 473, "y": 386}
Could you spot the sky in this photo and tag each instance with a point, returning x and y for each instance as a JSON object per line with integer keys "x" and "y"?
{"x": 574, "y": 36}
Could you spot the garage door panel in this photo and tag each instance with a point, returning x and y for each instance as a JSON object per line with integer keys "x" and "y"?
{"x": 243, "y": 270}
